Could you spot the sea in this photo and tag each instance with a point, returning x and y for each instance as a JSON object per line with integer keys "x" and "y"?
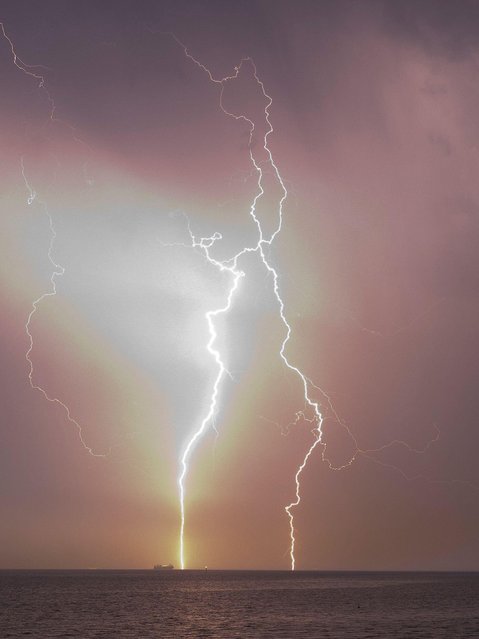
{"x": 145, "y": 604}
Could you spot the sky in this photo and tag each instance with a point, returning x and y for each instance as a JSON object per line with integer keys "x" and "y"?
{"x": 375, "y": 134}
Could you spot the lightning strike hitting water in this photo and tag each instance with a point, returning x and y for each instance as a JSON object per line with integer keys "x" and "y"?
{"x": 205, "y": 244}
{"x": 316, "y": 418}
{"x": 231, "y": 265}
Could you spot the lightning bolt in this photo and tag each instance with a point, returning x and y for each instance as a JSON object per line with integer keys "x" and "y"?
{"x": 261, "y": 247}
{"x": 316, "y": 417}
{"x": 58, "y": 269}
{"x": 204, "y": 244}
{"x": 25, "y": 68}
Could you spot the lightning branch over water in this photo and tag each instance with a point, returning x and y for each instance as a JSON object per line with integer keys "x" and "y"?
{"x": 204, "y": 244}
{"x": 262, "y": 245}
{"x": 314, "y": 415}
{"x": 57, "y": 269}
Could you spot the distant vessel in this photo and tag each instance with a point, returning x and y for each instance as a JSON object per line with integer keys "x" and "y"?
{"x": 163, "y": 567}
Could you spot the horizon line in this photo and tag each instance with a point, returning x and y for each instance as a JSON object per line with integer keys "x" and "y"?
{"x": 282, "y": 570}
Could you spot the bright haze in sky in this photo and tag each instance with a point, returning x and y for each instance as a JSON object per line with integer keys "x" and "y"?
{"x": 376, "y": 135}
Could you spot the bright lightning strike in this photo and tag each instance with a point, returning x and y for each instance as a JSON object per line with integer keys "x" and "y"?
{"x": 316, "y": 418}
{"x": 205, "y": 244}
{"x": 231, "y": 266}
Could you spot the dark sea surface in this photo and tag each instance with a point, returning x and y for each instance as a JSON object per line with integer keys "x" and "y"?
{"x": 177, "y": 604}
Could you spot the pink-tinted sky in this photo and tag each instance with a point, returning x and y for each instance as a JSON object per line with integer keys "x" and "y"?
{"x": 376, "y": 136}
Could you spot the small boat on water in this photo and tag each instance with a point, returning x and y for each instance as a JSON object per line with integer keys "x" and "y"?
{"x": 163, "y": 567}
